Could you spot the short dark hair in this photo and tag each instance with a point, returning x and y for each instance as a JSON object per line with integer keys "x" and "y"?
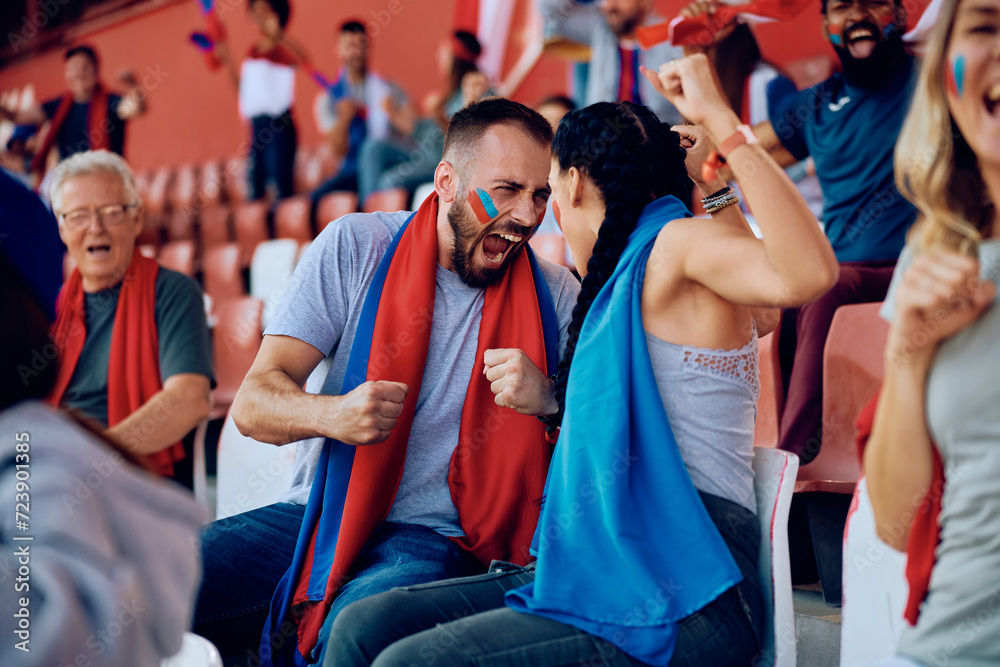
{"x": 352, "y": 25}
{"x": 467, "y": 126}
{"x": 562, "y": 100}
{"x": 823, "y": 3}
{"x": 279, "y": 7}
{"x": 84, "y": 50}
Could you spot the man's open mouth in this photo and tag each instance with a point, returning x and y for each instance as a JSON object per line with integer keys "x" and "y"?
{"x": 495, "y": 246}
{"x": 98, "y": 250}
{"x": 992, "y": 99}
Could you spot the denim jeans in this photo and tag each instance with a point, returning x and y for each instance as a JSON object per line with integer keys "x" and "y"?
{"x": 272, "y": 155}
{"x": 464, "y": 622}
{"x": 243, "y": 558}
{"x": 399, "y": 554}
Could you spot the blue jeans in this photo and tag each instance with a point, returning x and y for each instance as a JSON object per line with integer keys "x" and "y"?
{"x": 464, "y": 622}
{"x": 243, "y": 558}
{"x": 398, "y": 554}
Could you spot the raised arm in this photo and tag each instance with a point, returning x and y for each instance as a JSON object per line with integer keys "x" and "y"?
{"x": 794, "y": 262}
{"x": 272, "y": 406}
{"x": 939, "y": 295}
{"x": 33, "y": 116}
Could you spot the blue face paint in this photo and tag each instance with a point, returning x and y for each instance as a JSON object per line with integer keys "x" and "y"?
{"x": 958, "y": 73}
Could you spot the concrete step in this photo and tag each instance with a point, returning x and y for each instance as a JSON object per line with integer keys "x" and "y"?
{"x": 817, "y": 628}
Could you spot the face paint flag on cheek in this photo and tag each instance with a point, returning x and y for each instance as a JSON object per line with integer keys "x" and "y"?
{"x": 556, "y": 213}
{"x": 836, "y": 37}
{"x": 954, "y": 75}
{"x": 482, "y": 205}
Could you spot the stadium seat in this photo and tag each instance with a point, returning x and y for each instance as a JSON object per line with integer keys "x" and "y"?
{"x": 551, "y": 247}
{"x": 271, "y": 269}
{"x": 213, "y": 226}
{"x": 180, "y": 224}
{"x": 196, "y": 651}
{"x": 210, "y": 184}
{"x": 389, "y": 201}
{"x": 420, "y": 194}
{"x": 184, "y": 191}
{"x": 308, "y": 172}
{"x": 771, "y": 400}
{"x": 235, "y": 340}
{"x": 250, "y": 474}
{"x": 235, "y": 180}
{"x": 155, "y": 201}
{"x": 291, "y": 219}
{"x": 852, "y": 373}
{"x": 334, "y": 205}
{"x": 178, "y": 256}
{"x": 251, "y": 228}
{"x": 221, "y": 274}
{"x": 774, "y": 481}
{"x": 874, "y": 588}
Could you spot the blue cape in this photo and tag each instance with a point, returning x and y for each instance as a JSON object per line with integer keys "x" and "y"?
{"x": 625, "y": 546}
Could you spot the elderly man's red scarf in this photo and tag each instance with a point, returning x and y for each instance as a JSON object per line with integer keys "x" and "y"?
{"x": 498, "y": 468}
{"x": 134, "y": 359}
{"x": 925, "y": 533}
{"x": 97, "y": 134}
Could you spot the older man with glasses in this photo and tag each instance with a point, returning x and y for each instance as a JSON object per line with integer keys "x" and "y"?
{"x": 133, "y": 346}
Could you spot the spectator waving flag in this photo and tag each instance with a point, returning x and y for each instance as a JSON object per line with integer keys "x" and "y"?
{"x": 701, "y": 29}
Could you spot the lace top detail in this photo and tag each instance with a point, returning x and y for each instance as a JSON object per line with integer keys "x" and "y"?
{"x": 739, "y": 365}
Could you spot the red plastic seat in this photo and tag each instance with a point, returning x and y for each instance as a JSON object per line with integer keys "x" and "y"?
{"x": 251, "y": 228}
{"x": 291, "y": 219}
{"x": 179, "y": 256}
{"x": 389, "y": 201}
{"x": 155, "y": 201}
{"x": 853, "y": 368}
{"x": 222, "y": 275}
{"x": 180, "y": 224}
{"x": 335, "y": 205}
{"x": 308, "y": 169}
{"x": 210, "y": 183}
{"x": 236, "y": 339}
{"x": 184, "y": 192}
{"x": 214, "y": 226}
{"x": 235, "y": 180}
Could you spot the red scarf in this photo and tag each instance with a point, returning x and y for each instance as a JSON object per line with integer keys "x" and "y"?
{"x": 97, "y": 114}
{"x": 497, "y": 471}
{"x": 134, "y": 358}
{"x": 925, "y": 533}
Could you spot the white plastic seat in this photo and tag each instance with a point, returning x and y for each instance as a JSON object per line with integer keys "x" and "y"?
{"x": 774, "y": 483}
{"x": 251, "y": 474}
{"x": 196, "y": 651}
{"x": 270, "y": 270}
{"x": 420, "y": 194}
{"x": 875, "y": 588}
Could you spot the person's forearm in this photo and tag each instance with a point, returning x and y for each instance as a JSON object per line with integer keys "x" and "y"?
{"x": 796, "y": 247}
{"x": 33, "y": 116}
{"x": 770, "y": 142}
{"x": 162, "y": 420}
{"x": 270, "y": 407}
{"x": 898, "y": 459}
{"x": 340, "y": 138}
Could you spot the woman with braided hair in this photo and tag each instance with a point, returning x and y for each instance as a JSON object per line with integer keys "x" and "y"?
{"x": 647, "y": 540}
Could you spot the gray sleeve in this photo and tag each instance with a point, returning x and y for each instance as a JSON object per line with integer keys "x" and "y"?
{"x": 889, "y": 305}
{"x": 181, "y": 327}
{"x": 338, "y": 264}
{"x": 570, "y": 19}
{"x": 564, "y": 288}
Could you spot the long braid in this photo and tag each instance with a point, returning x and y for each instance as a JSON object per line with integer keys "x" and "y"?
{"x": 633, "y": 159}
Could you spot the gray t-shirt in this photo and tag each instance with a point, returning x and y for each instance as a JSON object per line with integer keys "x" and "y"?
{"x": 180, "y": 327}
{"x": 322, "y": 307}
{"x": 959, "y": 623}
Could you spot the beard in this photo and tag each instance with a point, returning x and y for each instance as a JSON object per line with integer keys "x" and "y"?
{"x": 466, "y": 230}
{"x": 874, "y": 71}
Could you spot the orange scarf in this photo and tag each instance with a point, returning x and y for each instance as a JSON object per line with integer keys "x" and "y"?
{"x": 134, "y": 358}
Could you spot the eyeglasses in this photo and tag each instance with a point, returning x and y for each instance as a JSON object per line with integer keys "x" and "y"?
{"x": 111, "y": 215}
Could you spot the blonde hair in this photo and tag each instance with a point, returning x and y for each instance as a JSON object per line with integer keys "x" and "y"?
{"x": 935, "y": 167}
{"x": 92, "y": 162}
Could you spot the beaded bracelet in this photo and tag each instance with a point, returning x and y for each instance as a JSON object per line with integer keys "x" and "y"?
{"x": 718, "y": 194}
{"x": 719, "y": 207}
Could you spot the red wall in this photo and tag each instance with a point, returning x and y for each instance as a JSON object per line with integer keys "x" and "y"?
{"x": 192, "y": 113}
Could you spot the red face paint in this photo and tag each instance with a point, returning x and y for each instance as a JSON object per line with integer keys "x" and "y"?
{"x": 482, "y": 205}
{"x": 556, "y": 214}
